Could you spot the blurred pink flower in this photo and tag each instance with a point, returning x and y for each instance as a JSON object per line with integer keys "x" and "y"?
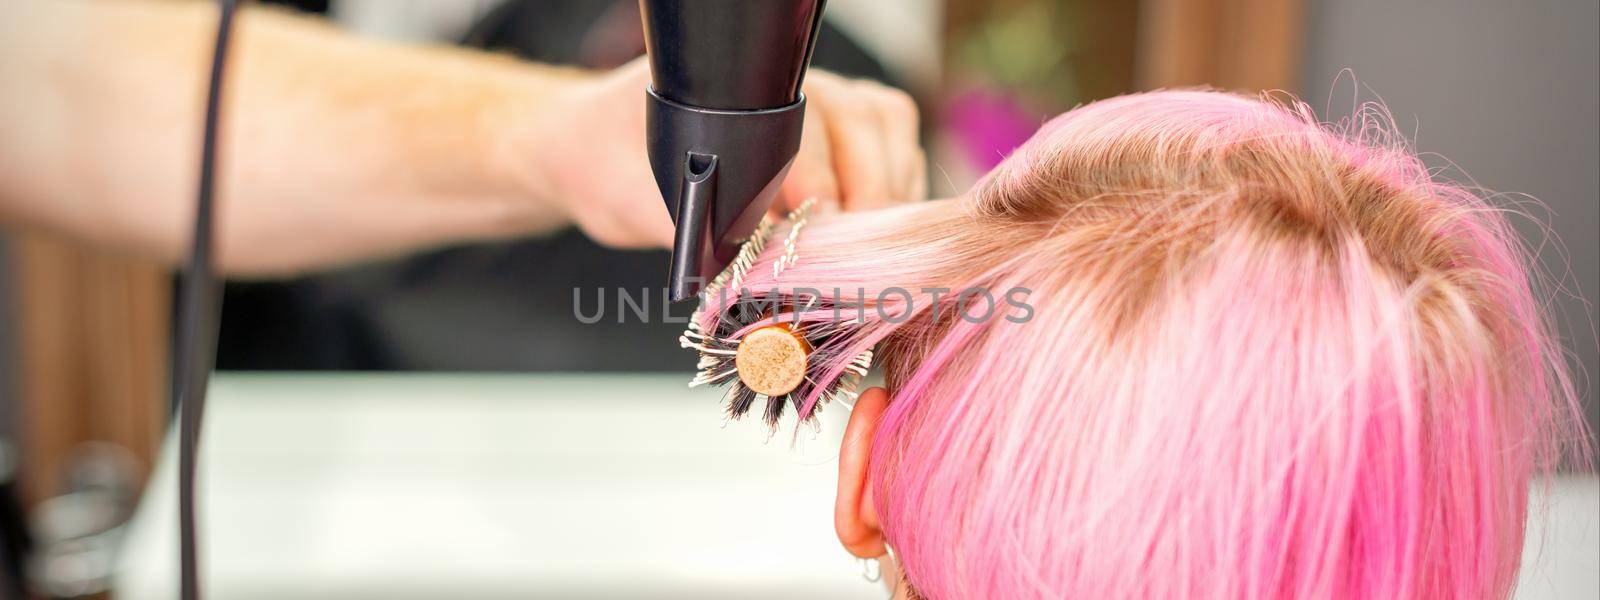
{"x": 988, "y": 123}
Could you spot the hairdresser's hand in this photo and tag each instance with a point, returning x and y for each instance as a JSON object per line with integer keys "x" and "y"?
{"x": 859, "y": 151}
{"x": 859, "y": 147}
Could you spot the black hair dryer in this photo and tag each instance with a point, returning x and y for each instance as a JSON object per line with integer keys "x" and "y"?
{"x": 723, "y": 119}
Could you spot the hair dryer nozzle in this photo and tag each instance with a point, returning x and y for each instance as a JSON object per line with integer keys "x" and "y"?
{"x": 718, "y": 171}
{"x": 723, "y": 116}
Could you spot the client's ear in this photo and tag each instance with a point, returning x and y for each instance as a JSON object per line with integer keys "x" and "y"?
{"x": 855, "y": 518}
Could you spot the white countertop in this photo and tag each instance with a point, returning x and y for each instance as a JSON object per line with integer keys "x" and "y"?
{"x": 496, "y": 486}
{"x": 553, "y": 486}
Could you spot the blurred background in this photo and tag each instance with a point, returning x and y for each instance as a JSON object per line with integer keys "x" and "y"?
{"x": 1506, "y": 91}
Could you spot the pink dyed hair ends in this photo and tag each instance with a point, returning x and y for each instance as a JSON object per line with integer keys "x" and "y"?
{"x": 1268, "y": 359}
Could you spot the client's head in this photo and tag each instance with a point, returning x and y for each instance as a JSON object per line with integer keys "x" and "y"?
{"x": 1208, "y": 349}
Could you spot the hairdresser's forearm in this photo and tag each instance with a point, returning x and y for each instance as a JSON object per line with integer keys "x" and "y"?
{"x": 335, "y": 148}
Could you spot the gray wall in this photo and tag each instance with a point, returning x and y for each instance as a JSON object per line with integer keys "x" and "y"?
{"x": 1507, "y": 90}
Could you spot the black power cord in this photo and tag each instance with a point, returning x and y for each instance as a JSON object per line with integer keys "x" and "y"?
{"x": 199, "y": 310}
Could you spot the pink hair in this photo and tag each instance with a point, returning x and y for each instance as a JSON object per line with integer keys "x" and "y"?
{"x": 1263, "y": 359}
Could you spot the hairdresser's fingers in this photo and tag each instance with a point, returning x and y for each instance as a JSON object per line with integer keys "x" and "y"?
{"x": 859, "y": 147}
{"x": 917, "y": 180}
{"x": 812, "y": 175}
{"x": 856, "y": 130}
{"x": 901, "y": 127}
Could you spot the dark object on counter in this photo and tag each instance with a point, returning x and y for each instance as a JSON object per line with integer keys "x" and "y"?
{"x": 79, "y": 532}
{"x": 15, "y": 541}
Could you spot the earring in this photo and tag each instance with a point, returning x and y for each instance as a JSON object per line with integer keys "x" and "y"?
{"x": 870, "y": 570}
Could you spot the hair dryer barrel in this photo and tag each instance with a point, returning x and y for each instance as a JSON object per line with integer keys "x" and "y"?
{"x": 730, "y": 54}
